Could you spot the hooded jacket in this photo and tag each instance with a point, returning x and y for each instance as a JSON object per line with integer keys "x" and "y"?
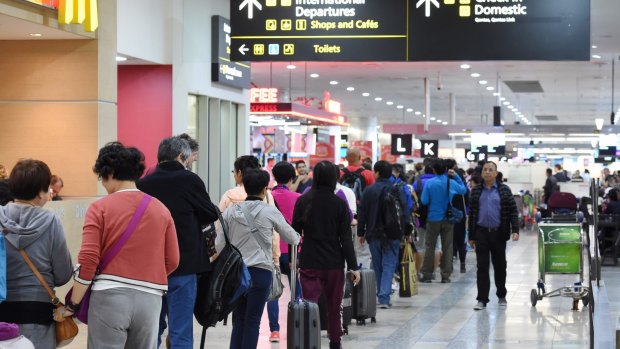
{"x": 266, "y": 218}
{"x": 39, "y": 232}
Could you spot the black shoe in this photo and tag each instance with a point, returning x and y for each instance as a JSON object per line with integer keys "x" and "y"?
{"x": 445, "y": 280}
{"x": 463, "y": 270}
{"x": 335, "y": 345}
{"x": 426, "y": 280}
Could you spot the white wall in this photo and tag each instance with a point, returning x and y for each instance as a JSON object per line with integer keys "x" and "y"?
{"x": 145, "y": 30}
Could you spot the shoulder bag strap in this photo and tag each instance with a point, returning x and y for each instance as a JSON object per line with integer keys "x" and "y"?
{"x": 131, "y": 227}
{"x": 34, "y": 269}
{"x": 248, "y": 218}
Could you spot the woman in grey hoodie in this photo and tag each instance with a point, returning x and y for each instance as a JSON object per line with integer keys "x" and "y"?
{"x": 256, "y": 248}
{"x": 39, "y": 232}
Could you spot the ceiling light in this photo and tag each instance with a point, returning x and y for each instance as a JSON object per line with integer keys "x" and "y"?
{"x": 465, "y": 66}
{"x": 333, "y": 82}
{"x": 399, "y": 107}
{"x": 495, "y": 93}
{"x": 36, "y": 35}
{"x": 483, "y": 82}
{"x": 409, "y": 110}
{"x": 599, "y": 123}
{"x": 121, "y": 58}
{"x": 378, "y": 99}
{"x": 350, "y": 89}
{"x": 314, "y": 75}
{"x": 596, "y": 56}
{"x": 417, "y": 113}
{"x": 502, "y": 99}
{"x": 291, "y": 66}
{"x": 438, "y": 120}
{"x": 490, "y": 88}
{"x": 433, "y": 118}
{"x": 365, "y": 94}
{"x": 515, "y": 110}
{"x": 423, "y": 115}
{"x": 475, "y": 75}
{"x": 506, "y": 103}
{"x": 594, "y": 46}
{"x": 445, "y": 122}
{"x": 389, "y": 102}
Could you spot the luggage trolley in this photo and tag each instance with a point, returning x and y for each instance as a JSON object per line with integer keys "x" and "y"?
{"x": 560, "y": 251}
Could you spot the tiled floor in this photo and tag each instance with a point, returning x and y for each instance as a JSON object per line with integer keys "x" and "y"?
{"x": 441, "y": 315}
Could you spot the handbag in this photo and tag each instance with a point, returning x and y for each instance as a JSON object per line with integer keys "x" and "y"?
{"x": 82, "y": 313}
{"x": 408, "y": 275}
{"x": 66, "y": 330}
{"x": 277, "y": 287}
{"x": 453, "y": 214}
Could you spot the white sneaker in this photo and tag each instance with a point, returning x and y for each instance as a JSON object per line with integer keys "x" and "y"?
{"x": 480, "y": 306}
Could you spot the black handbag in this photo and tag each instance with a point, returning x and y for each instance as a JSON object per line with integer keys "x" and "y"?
{"x": 453, "y": 214}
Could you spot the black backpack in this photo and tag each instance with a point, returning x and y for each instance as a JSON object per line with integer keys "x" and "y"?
{"x": 222, "y": 289}
{"x": 355, "y": 181}
{"x": 420, "y": 211}
{"x": 390, "y": 223}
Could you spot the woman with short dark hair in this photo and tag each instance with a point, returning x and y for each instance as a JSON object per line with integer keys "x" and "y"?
{"x": 126, "y": 297}
{"x": 39, "y": 232}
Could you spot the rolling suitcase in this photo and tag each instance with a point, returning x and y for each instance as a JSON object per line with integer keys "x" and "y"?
{"x": 364, "y": 298}
{"x": 303, "y": 322}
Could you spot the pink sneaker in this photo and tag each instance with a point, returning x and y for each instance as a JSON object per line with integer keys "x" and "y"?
{"x": 275, "y": 337}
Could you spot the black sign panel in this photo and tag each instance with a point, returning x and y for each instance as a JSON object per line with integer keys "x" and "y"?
{"x": 410, "y": 30}
{"x": 402, "y": 144}
{"x": 235, "y": 74}
{"x": 430, "y": 149}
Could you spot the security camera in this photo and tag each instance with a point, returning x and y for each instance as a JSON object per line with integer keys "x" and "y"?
{"x": 439, "y": 86}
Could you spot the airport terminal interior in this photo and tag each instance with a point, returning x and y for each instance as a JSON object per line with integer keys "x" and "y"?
{"x": 527, "y": 84}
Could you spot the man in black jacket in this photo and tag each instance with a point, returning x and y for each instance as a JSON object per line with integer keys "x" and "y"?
{"x": 185, "y": 195}
{"x": 493, "y": 219}
{"x": 384, "y": 250}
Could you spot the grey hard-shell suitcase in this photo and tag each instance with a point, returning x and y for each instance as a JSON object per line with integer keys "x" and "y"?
{"x": 303, "y": 321}
{"x": 364, "y": 298}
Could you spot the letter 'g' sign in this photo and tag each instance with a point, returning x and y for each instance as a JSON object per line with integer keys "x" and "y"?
{"x": 430, "y": 149}
{"x": 402, "y": 144}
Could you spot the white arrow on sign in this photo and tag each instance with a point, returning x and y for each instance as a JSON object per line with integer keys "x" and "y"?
{"x": 243, "y": 49}
{"x": 426, "y": 3}
{"x": 251, "y": 3}
{"x": 428, "y": 149}
{"x": 399, "y": 146}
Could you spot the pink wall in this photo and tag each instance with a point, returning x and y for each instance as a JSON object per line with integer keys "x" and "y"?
{"x": 144, "y": 107}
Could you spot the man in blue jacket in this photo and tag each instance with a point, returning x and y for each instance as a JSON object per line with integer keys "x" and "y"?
{"x": 384, "y": 250}
{"x": 435, "y": 194}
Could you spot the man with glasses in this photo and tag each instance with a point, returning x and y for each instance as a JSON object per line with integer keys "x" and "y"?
{"x": 493, "y": 219}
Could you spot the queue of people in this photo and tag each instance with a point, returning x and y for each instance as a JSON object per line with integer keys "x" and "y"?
{"x": 142, "y": 244}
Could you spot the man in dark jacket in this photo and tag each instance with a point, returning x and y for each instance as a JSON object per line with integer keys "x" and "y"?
{"x": 384, "y": 251}
{"x": 551, "y": 185}
{"x": 493, "y": 219}
{"x": 185, "y": 195}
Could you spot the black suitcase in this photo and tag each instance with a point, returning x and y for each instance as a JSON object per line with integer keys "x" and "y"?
{"x": 303, "y": 321}
{"x": 364, "y": 298}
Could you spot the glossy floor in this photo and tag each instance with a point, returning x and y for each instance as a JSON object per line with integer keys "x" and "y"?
{"x": 442, "y": 315}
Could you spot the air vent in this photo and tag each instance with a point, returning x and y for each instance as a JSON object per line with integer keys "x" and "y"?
{"x": 532, "y": 86}
{"x": 546, "y": 117}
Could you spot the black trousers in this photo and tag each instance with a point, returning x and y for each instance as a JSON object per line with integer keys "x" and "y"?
{"x": 490, "y": 247}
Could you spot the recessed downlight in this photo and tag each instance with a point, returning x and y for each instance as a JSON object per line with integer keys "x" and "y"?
{"x": 483, "y": 82}
{"x": 433, "y": 118}
{"x": 594, "y": 46}
{"x": 474, "y": 75}
{"x": 409, "y": 110}
{"x": 490, "y": 88}
{"x": 378, "y": 99}
{"x": 399, "y": 107}
{"x": 465, "y": 66}
{"x": 121, "y": 58}
{"x": 445, "y": 122}
{"x": 596, "y": 56}
{"x": 291, "y": 66}
{"x": 502, "y": 99}
{"x": 495, "y": 94}
{"x": 333, "y": 82}
{"x": 36, "y": 35}
{"x": 365, "y": 94}
{"x": 506, "y": 103}
{"x": 350, "y": 88}
{"x": 418, "y": 113}
{"x": 389, "y": 102}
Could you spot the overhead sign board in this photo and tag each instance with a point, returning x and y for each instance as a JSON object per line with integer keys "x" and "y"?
{"x": 430, "y": 149}
{"x": 235, "y": 74}
{"x": 402, "y": 144}
{"x": 410, "y": 30}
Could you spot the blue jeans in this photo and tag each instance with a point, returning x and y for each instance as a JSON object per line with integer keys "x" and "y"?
{"x": 179, "y": 306}
{"x": 273, "y": 309}
{"x": 246, "y": 317}
{"x": 384, "y": 261}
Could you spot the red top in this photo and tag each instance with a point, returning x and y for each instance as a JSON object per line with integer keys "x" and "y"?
{"x": 369, "y": 176}
{"x": 150, "y": 254}
{"x": 285, "y": 200}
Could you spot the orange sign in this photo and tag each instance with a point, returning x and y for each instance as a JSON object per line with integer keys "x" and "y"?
{"x": 264, "y": 95}
{"x": 324, "y": 151}
{"x": 386, "y": 154}
{"x": 365, "y": 148}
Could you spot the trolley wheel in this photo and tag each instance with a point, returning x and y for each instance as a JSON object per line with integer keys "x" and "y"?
{"x": 585, "y": 300}
{"x": 361, "y": 322}
{"x": 373, "y": 320}
{"x": 534, "y": 297}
